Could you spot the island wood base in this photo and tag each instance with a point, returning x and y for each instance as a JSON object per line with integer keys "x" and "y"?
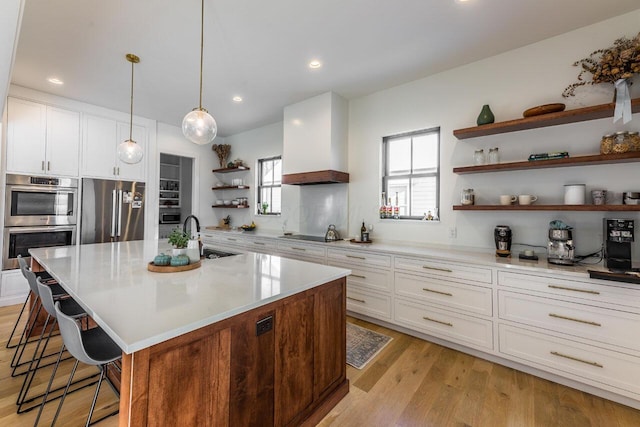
{"x": 225, "y": 374}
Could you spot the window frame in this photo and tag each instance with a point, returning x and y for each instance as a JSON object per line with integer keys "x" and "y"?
{"x": 386, "y": 176}
{"x": 260, "y": 185}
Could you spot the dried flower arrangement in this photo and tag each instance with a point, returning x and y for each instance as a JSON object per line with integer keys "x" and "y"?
{"x": 223, "y": 151}
{"x": 620, "y": 61}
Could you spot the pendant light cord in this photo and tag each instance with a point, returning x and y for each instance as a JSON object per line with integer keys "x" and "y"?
{"x": 131, "y": 109}
{"x": 201, "y": 49}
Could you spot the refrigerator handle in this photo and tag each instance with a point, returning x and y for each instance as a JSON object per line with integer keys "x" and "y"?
{"x": 114, "y": 201}
{"x": 119, "y": 213}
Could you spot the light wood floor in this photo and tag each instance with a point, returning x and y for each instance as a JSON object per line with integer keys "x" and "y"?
{"x": 410, "y": 383}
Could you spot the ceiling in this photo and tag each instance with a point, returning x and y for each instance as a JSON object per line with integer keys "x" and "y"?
{"x": 260, "y": 50}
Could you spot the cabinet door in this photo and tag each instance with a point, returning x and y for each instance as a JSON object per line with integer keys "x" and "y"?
{"x": 63, "y": 142}
{"x": 98, "y": 147}
{"x": 124, "y": 170}
{"x": 26, "y": 136}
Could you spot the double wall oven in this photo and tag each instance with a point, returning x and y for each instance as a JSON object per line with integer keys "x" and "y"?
{"x": 39, "y": 212}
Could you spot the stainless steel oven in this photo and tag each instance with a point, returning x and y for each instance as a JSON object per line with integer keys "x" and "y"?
{"x": 18, "y": 241}
{"x": 37, "y": 200}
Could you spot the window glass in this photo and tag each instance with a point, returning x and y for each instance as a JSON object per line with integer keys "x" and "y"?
{"x": 269, "y": 186}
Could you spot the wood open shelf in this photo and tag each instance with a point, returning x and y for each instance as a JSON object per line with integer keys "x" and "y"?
{"x": 246, "y": 187}
{"x": 231, "y": 206}
{"x": 544, "y": 120}
{"x": 595, "y": 159}
{"x": 593, "y": 208}
{"x": 227, "y": 170}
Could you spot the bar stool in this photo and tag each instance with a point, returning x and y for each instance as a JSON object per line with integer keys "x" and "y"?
{"x": 93, "y": 347}
{"x": 72, "y": 308}
{"x": 46, "y": 277}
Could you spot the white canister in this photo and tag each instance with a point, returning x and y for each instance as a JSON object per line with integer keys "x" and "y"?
{"x": 574, "y": 194}
{"x": 193, "y": 251}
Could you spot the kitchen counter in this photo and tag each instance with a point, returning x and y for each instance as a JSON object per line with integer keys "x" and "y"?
{"x": 251, "y": 339}
{"x": 112, "y": 283}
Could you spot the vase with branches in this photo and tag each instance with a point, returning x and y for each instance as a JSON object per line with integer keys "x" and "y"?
{"x": 223, "y": 151}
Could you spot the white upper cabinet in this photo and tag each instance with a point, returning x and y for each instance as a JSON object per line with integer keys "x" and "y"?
{"x": 42, "y": 139}
{"x": 101, "y": 137}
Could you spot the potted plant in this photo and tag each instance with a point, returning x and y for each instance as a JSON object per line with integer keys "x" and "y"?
{"x": 179, "y": 240}
{"x": 265, "y": 206}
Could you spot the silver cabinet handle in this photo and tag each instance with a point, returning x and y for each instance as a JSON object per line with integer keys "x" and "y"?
{"x": 356, "y": 299}
{"x": 358, "y": 276}
{"x": 231, "y": 240}
{"x": 437, "y": 292}
{"x": 259, "y": 243}
{"x": 298, "y": 249}
{"x": 356, "y": 257}
{"x": 42, "y": 167}
{"x": 577, "y": 359}
{"x": 118, "y": 170}
{"x": 114, "y": 170}
{"x": 564, "y": 288}
{"x": 48, "y": 165}
{"x": 437, "y": 321}
{"x": 427, "y": 267}
{"x": 573, "y": 319}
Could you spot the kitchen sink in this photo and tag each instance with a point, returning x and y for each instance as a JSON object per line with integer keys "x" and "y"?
{"x": 214, "y": 253}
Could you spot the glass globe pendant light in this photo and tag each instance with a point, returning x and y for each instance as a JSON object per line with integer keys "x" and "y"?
{"x": 199, "y": 126}
{"x": 129, "y": 151}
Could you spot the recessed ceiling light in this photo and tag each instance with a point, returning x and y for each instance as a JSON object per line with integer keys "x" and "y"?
{"x": 237, "y": 99}
{"x": 315, "y": 64}
{"x": 55, "y": 81}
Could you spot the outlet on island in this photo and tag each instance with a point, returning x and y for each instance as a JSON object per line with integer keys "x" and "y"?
{"x": 264, "y": 325}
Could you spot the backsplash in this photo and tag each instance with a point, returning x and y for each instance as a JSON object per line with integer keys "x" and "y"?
{"x": 321, "y": 205}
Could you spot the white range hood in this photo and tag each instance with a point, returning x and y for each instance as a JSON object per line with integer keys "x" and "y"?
{"x": 315, "y": 141}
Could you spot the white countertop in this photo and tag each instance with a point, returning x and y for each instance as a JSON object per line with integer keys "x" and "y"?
{"x": 139, "y": 308}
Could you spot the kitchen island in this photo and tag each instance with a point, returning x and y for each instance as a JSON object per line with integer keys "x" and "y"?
{"x": 251, "y": 339}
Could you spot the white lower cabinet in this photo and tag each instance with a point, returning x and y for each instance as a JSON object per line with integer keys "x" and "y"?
{"x": 13, "y": 287}
{"x": 449, "y": 325}
{"x": 370, "y": 303}
{"x": 585, "y": 362}
{"x": 301, "y": 251}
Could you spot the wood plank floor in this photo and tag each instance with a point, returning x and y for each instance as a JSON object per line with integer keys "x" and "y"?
{"x": 410, "y": 383}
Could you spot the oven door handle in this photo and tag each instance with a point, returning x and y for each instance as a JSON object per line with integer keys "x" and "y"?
{"x": 114, "y": 201}
{"x": 41, "y": 189}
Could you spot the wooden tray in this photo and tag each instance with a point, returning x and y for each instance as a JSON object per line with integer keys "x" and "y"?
{"x": 360, "y": 242}
{"x": 173, "y": 268}
{"x": 543, "y": 109}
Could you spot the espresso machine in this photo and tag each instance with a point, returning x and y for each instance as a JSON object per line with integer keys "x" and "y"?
{"x": 560, "y": 249}
{"x": 502, "y": 237}
{"x": 618, "y": 236}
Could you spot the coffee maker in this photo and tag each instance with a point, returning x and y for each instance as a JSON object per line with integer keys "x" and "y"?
{"x": 502, "y": 237}
{"x": 618, "y": 236}
{"x": 560, "y": 249}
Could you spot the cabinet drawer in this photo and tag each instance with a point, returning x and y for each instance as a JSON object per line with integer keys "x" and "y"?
{"x": 380, "y": 280}
{"x": 13, "y": 284}
{"x": 358, "y": 257}
{"x": 372, "y": 304}
{"x": 473, "y": 299}
{"x": 597, "y": 366}
{"x": 574, "y": 289}
{"x": 257, "y": 244}
{"x": 301, "y": 257}
{"x": 600, "y": 324}
{"x": 449, "y": 325}
{"x": 444, "y": 269}
{"x": 302, "y": 249}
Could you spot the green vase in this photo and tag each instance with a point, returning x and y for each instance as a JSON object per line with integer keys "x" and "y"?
{"x": 486, "y": 116}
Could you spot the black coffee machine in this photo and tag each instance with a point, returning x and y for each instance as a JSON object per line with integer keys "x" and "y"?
{"x": 502, "y": 237}
{"x": 618, "y": 236}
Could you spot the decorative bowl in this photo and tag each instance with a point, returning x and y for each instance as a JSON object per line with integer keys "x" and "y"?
{"x": 235, "y": 202}
{"x": 227, "y": 202}
{"x": 219, "y": 202}
{"x": 248, "y": 227}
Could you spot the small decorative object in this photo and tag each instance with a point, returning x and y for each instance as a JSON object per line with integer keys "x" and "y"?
{"x": 230, "y": 165}
{"x": 179, "y": 260}
{"x": 599, "y": 197}
{"x": 494, "y": 156}
{"x": 249, "y": 227}
{"x": 162, "y": 259}
{"x": 479, "y": 157}
{"x": 615, "y": 65}
{"x": 223, "y": 151}
{"x": 265, "y": 206}
{"x": 178, "y": 239}
{"x": 543, "y": 109}
{"x": 238, "y": 163}
{"x": 606, "y": 144}
{"x": 486, "y": 116}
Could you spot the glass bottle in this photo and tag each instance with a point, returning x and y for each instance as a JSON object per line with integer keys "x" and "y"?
{"x": 479, "y": 158}
{"x": 606, "y": 144}
{"x": 494, "y": 156}
{"x": 467, "y": 197}
{"x": 396, "y": 208}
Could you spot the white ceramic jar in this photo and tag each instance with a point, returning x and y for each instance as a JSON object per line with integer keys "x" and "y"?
{"x": 574, "y": 194}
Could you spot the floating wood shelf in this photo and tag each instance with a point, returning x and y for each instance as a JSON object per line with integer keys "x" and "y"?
{"x": 246, "y": 187}
{"x": 544, "y": 120}
{"x": 593, "y": 208}
{"x": 595, "y": 159}
{"x": 228, "y": 170}
{"x": 231, "y": 206}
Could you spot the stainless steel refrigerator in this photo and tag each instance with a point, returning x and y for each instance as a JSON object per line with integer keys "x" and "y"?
{"x": 112, "y": 211}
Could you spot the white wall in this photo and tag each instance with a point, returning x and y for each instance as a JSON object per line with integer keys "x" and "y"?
{"x": 10, "y": 18}
{"x": 510, "y": 83}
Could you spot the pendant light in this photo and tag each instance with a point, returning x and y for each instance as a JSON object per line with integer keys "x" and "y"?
{"x": 129, "y": 151}
{"x": 199, "y": 126}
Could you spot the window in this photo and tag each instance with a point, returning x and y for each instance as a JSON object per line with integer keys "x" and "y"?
{"x": 269, "y": 186}
{"x": 411, "y": 172}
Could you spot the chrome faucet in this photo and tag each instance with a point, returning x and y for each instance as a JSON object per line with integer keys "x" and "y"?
{"x": 186, "y": 220}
